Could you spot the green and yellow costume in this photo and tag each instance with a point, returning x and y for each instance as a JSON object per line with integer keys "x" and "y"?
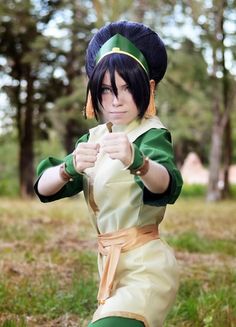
{"x": 146, "y": 277}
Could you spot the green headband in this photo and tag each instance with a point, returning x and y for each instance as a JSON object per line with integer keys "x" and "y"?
{"x": 120, "y": 44}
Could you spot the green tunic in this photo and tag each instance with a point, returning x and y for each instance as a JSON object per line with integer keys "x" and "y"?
{"x": 146, "y": 279}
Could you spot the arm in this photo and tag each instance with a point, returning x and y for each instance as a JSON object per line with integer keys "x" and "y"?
{"x": 50, "y": 185}
{"x": 162, "y": 181}
{"x": 156, "y": 177}
{"x": 157, "y": 145}
{"x": 51, "y": 181}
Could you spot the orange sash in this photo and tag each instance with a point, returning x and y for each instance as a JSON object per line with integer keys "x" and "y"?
{"x": 112, "y": 244}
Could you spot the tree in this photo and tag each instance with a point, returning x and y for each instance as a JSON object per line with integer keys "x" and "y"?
{"x": 214, "y": 18}
{"x": 47, "y": 79}
{"x": 183, "y": 103}
{"x": 71, "y": 62}
{"x": 44, "y": 69}
{"x": 19, "y": 37}
{"x": 212, "y": 25}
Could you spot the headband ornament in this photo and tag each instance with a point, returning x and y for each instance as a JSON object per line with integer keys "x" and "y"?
{"x": 120, "y": 44}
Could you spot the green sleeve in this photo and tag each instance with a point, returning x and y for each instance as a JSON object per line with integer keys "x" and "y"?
{"x": 72, "y": 187}
{"x": 156, "y": 144}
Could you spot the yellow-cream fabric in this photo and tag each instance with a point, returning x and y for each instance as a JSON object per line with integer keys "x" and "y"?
{"x": 146, "y": 278}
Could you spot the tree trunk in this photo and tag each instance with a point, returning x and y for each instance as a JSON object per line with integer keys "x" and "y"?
{"x": 26, "y": 153}
{"x": 227, "y": 102}
{"x": 214, "y": 187}
{"x": 221, "y": 109}
{"x": 228, "y": 153}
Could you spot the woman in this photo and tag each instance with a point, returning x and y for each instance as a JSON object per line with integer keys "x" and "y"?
{"x": 125, "y": 167}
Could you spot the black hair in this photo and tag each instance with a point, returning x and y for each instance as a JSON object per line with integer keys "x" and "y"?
{"x": 130, "y": 71}
{"x": 145, "y": 39}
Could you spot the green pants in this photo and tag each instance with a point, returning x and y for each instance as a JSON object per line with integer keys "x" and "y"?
{"x": 116, "y": 322}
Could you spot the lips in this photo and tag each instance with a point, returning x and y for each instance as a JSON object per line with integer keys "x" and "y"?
{"x": 117, "y": 112}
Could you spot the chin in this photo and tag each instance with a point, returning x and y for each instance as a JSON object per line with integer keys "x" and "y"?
{"x": 118, "y": 121}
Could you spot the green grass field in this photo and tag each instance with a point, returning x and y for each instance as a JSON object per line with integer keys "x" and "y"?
{"x": 48, "y": 263}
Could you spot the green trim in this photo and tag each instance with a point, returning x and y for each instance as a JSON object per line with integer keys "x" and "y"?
{"x": 69, "y": 168}
{"x": 156, "y": 145}
{"x": 47, "y": 163}
{"x": 120, "y": 44}
{"x": 117, "y": 322}
{"x": 138, "y": 158}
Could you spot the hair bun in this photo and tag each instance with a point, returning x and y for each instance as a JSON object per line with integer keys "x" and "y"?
{"x": 145, "y": 39}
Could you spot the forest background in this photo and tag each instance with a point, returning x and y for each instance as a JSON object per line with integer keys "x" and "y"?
{"x": 43, "y": 82}
{"x": 48, "y": 251}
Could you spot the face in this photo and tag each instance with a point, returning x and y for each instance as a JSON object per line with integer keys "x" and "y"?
{"x": 121, "y": 109}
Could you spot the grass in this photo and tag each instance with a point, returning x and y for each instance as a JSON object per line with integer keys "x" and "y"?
{"x": 200, "y": 190}
{"x": 208, "y": 302}
{"x": 49, "y": 274}
{"x": 203, "y": 236}
{"x": 192, "y": 242}
{"x": 48, "y": 293}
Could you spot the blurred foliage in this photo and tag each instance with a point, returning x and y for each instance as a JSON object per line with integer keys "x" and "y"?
{"x": 8, "y": 166}
{"x": 49, "y": 40}
{"x": 9, "y": 182}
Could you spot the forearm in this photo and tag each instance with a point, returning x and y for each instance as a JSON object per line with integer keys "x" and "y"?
{"x": 51, "y": 181}
{"x": 157, "y": 178}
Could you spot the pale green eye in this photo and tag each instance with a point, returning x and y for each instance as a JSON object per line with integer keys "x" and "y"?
{"x": 106, "y": 90}
{"x": 127, "y": 88}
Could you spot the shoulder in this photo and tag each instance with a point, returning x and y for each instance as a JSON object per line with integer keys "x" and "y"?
{"x": 149, "y": 127}
{"x": 152, "y": 122}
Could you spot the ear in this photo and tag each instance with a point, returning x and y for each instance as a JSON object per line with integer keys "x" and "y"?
{"x": 89, "y": 110}
{"x": 152, "y": 85}
{"x": 151, "y": 110}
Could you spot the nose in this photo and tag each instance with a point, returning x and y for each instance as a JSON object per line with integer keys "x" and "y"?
{"x": 116, "y": 100}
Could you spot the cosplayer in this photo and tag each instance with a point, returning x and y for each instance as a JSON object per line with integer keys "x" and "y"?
{"x": 126, "y": 169}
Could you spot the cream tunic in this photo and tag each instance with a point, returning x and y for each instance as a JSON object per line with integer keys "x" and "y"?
{"x": 146, "y": 279}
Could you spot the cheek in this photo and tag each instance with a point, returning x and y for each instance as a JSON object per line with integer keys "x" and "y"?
{"x": 133, "y": 107}
{"x": 104, "y": 110}
{"x": 135, "y": 113}
{"x": 106, "y": 101}
{"x": 132, "y": 102}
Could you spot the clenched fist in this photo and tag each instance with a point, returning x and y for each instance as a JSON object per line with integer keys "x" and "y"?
{"x": 117, "y": 146}
{"x": 85, "y": 156}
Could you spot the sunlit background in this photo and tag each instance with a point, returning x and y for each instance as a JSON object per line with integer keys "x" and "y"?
{"x": 48, "y": 274}
{"x": 43, "y": 82}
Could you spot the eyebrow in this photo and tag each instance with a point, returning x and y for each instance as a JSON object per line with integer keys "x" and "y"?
{"x": 104, "y": 84}
{"x": 122, "y": 85}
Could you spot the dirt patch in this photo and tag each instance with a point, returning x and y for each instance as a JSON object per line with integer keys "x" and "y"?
{"x": 198, "y": 264}
{"x": 67, "y": 320}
